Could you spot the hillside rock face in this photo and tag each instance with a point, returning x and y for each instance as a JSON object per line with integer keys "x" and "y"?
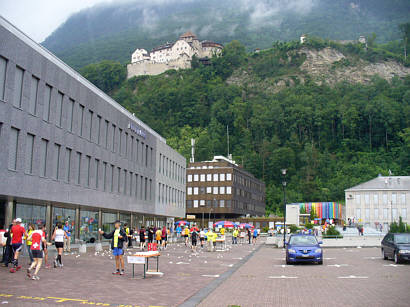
{"x": 325, "y": 66}
{"x": 321, "y": 66}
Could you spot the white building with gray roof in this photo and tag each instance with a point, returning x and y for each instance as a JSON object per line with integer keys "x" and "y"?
{"x": 379, "y": 201}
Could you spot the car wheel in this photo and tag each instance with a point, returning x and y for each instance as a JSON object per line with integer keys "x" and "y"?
{"x": 396, "y": 258}
{"x": 320, "y": 262}
{"x": 384, "y": 255}
{"x": 287, "y": 261}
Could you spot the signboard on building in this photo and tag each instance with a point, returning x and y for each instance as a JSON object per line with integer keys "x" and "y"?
{"x": 190, "y": 217}
{"x": 135, "y": 128}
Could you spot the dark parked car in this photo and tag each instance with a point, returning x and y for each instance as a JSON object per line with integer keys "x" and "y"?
{"x": 396, "y": 246}
{"x": 303, "y": 248}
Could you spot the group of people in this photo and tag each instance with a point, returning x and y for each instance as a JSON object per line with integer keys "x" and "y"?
{"x": 34, "y": 239}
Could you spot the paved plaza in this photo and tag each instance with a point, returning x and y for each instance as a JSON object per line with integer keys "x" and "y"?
{"x": 243, "y": 275}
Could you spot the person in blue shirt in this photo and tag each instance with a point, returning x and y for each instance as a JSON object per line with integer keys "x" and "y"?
{"x": 178, "y": 230}
{"x": 255, "y": 235}
{"x": 67, "y": 241}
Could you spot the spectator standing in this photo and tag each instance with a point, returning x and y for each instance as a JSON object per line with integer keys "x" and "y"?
{"x": 249, "y": 235}
{"x": 158, "y": 237}
{"x": 235, "y": 234}
{"x": 117, "y": 236}
{"x": 150, "y": 234}
{"x": 67, "y": 241}
{"x": 255, "y": 235}
{"x": 142, "y": 238}
{"x": 29, "y": 242}
{"x": 186, "y": 235}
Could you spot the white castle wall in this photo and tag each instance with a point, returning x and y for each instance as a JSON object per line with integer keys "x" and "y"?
{"x": 155, "y": 68}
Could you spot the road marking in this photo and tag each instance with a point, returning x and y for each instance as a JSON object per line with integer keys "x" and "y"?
{"x": 182, "y": 262}
{"x": 239, "y": 258}
{"x": 214, "y": 276}
{"x": 393, "y": 265}
{"x": 283, "y": 277}
{"x": 228, "y": 265}
{"x": 353, "y": 277}
{"x": 284, "y": 265}
{"x": 329, "y": 258}
{"x": 373, "y": 258}
{"x": 337, "y": 265}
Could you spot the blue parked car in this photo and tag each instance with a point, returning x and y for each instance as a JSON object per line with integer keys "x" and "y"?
{"x": 303, "y": 248}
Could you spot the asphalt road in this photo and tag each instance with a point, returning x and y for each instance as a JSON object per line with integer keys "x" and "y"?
{"x": 244, "y": 275}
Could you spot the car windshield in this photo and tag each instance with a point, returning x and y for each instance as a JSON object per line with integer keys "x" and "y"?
{"x": 402, "y": 239}
{"x": 303, "y": 240}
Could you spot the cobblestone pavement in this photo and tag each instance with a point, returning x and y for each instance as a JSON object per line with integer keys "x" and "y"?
{"x": 87, "y": 279}
{"x": 348, "y": 277}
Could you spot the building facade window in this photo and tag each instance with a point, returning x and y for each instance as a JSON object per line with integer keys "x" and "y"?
{"x": 404, "y": 213}
{"x": 202, "y": 178}
{"x": 221, "y": 177}
{"x": 31, "y": 214}
{"x": 215, "y": 190}
{"x": 367, "y": 199}
{"x": 13, "y": 148}
{"x": 33, "y": 95}
{"x": 81, "y": 119}
{"x": 215, "y": 177}
{"x": 358, "y": 213}
{"x": 3, "y": 71}
{"x": 18, "y": 87}
{"x": 376, "y": 213}
{"x": 222, "y": 203}
{"x": 376, "y": 199}
{"x": 47, "y": 102}
{"x": 106, "y": 134}
{"x": 367, "y": 214}
{"x": 29, "y": 153}
{"x": 385, "y": 199}
{"x": 88, "y": 225}
{"x": 385, "y": 214}
{"x": 403, "y": 198}
{"x": 228, "y": 190}
{"x": 196, "y": 191}
{"x": 189, "y": 178}
{"x": 90, "y": 124}
{"x": 70, "y": 113}
{"x": 98, "y": 140}
{"x": 208, "y": 190}
{"x": 105, "y": 176}
{"x": 209, "y": 177}
{"x": 59, "y": 109}
{"x": 229, "y": 177}
{"x": 78, "y": 181}
{"x": 189, "y": 191}
{"x": 68, "y": 164}
{"x": 87, "y": 170}
{"x": 97, "y": 172}
{"x": 57, "y": 154}
{"x": 221, "y": 190}
{"x": 43, "y": 157}
{"x": 196, "y": 202}
{"x": 202, "y": 202}
{"x": 394, "y": 198}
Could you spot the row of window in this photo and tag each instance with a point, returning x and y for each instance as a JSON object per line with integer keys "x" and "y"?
{"x": 208, "y": 190}
{"x": 209, "y": 177}
{"x": 395, "y": 198}
{"x": 167, "y": 194}
{"x": 377, "y": 214}
{"x": 61, "y": 163}
{"x": 70, "y": 114}
{"x": 171, "y": 169}
{"x": 220, "y": 203}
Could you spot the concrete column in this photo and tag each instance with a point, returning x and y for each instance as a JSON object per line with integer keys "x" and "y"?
{"x": 8, "y": 212}
{"x": 118, "y": 215}
{"x": 99, "y": 222}
{"x": 77, "y": 223}
{"x": 49, "y": 220}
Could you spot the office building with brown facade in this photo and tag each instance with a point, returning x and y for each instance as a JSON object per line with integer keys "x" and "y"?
{"x": 222, "y": 189}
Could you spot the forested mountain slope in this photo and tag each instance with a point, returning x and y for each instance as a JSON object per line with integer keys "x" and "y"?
{"x": 284, "y": 107}
{"x": 112, "y": 31}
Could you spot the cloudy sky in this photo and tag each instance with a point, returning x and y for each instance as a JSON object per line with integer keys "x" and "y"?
{"x": 38, "y": 18}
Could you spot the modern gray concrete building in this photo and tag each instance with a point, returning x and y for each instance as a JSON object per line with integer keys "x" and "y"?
{"x": 70, "y": 152}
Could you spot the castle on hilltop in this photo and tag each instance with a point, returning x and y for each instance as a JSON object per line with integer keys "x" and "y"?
{"x": 177, "y": 55}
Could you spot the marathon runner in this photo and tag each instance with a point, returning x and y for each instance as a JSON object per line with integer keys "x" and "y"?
{"x": 38, "y": 240}
{"x": 17, "y": 232}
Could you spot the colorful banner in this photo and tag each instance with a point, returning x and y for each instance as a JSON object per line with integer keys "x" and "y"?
{"x": 323, "y": 210}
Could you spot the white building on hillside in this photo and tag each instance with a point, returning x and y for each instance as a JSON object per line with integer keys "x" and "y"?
{"x": 177, "y": 55}
{"x": 379, "y": 201}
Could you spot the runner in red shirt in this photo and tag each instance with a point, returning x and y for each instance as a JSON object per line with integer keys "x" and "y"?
{"x": 38, "y": 239}
{"x": 17, "y": 232}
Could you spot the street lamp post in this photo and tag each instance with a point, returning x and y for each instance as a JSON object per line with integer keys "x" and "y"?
{"x": 284, "y": 204}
